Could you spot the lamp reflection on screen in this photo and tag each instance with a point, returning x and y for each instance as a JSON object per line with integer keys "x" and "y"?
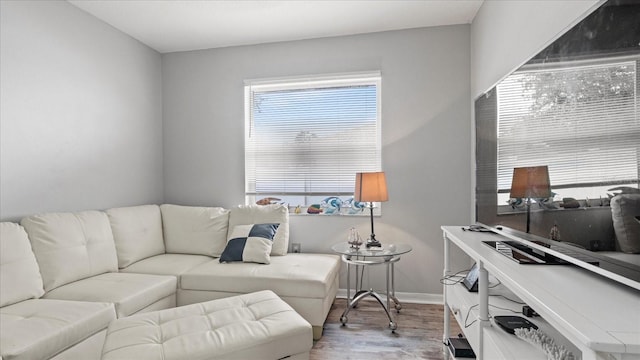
{"x": 530, "y": 182}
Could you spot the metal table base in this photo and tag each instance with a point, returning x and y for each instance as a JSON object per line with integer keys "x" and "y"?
{"x": 360, "y": 262}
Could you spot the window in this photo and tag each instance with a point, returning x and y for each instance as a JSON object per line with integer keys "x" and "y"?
{"x": 582, "y": 121}
{"x": 305, "y": 139}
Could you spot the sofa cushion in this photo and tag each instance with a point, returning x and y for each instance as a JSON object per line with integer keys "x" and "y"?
{"x": 41, "y": 328}
{"x": 298, "y": 275}
{"x": 167, "y": 264}
{"x": 250, "y": 243}
{"x": 137, "y": 231}
{"x": 19, "y": 273}
{"x": 129, "y": 293}
{"x": 194, "y": 230}
{"x": 624, "y": 209}
{"x": 262, "y": 214}
{"x": 71, "y": 246}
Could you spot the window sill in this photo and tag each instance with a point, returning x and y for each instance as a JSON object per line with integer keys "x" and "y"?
{"x": 508, "y": 210}
{"x": 376, "y": 212}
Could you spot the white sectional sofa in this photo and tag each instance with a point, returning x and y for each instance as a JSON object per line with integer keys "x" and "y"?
{"x": 66, "y": 276}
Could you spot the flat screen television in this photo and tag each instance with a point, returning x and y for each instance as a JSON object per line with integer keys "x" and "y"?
{"x": 600, "y": 54}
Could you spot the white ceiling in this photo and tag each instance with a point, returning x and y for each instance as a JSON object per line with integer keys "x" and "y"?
{"x": 181, "y": 25}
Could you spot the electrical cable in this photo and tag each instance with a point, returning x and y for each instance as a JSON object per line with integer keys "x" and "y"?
{"x": 455, "y": 278}
{"x": 467, "y": 317}
{"x": 505, "y": 309}
{"x": 496, "y": 285}
{"x": 466, "y": 325}
{"x": 513, "y": 301}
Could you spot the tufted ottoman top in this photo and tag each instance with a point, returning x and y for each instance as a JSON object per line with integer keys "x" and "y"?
{"x": 258, "y": 325}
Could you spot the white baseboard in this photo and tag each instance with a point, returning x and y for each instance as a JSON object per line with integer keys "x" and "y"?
{"x": 404, "y": 297}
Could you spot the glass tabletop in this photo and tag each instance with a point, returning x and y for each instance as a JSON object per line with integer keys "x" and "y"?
{"x": 386, "y": 250}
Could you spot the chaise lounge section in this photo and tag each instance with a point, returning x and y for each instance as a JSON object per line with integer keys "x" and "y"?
{"x": 307, "y": 282}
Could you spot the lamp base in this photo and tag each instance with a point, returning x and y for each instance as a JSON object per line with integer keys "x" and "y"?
{"x": 373, "y": 243}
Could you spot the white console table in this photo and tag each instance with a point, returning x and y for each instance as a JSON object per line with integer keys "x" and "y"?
{"x": 593, "y": 317}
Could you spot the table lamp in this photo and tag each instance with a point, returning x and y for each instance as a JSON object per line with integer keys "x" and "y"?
{"x": 371, "y": 187}
{"x": 530, "y": 182}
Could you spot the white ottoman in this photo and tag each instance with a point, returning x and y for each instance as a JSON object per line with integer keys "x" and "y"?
{"x": 258, "y": 325}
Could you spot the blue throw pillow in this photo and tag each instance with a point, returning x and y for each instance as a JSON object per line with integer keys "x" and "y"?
{"x": 250, "y": 243}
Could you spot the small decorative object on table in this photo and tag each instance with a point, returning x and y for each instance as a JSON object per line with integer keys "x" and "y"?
{"x": 354, "y": 239}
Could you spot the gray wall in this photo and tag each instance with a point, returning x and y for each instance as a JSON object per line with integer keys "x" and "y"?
{"x": 81, "y": 113}
{"x": 425, "y": 134}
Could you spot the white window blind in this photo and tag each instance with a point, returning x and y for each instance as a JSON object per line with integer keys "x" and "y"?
{"x": 581, "y": 121}
{"x": 309, "y": 137}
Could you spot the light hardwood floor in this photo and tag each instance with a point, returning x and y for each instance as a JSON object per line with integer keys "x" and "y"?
{"x": 367, "y": 334}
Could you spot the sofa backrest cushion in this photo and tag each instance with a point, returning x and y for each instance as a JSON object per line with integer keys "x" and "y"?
{"x": 194, "y": 230}
{"x": 71, "y": 246}
{"x": 262, "y": 214}
{"x": 137, "y": 231}
{"x": 19, "y": 273}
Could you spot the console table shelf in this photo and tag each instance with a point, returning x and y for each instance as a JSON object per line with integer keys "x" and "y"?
{"x": 593, "y": 317}
{"x": 464, "y": 305}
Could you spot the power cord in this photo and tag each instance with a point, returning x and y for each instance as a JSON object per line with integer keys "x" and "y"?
{"x": 466, "y": 319}
{"x": 505, "y": 309}
{"x": 496, "y": 284}
{"x": 459, "y": 276}
{"x": 506, "y": 298}
{"x": 455, "y": 278}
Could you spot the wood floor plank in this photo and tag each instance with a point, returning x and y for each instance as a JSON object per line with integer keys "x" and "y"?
{"x": 367, "y": 334}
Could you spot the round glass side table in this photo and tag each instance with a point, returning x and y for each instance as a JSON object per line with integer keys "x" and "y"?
{"x": 359, "y": 258}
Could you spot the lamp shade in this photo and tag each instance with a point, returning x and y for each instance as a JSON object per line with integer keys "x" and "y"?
{"x": 371, "y": 187}
{"x": 531, "y": 182}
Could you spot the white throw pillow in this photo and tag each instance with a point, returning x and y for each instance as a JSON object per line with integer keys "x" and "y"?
{"x": 264, "y": 214}
{"x": 137, "y": 231}
{"x": 194, "y": 230}
{"x": 250, "y": 243}
{"x": 19, "y": 273}
{"x": 71, "y": 246}
{"x": 624, "y": 209}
